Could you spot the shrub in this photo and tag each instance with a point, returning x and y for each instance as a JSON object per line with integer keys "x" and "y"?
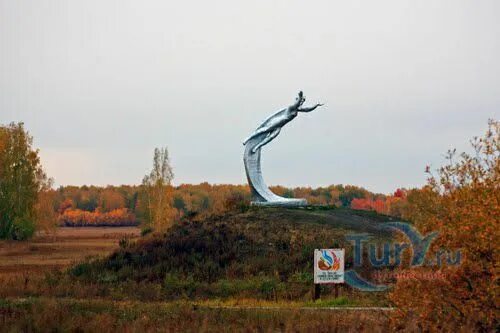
{"x": 146, "y": 230}
{"x": 463, "y": 204}
{"x": 24, "y": 228}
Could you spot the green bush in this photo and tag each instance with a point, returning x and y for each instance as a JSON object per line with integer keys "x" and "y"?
{"x": 81, "y": 269}
{"x": 24, "y": 228}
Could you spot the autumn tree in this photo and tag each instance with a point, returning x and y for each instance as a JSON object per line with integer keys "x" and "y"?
{"x": 158, "y": 192}
{"x": 110, "y": 199}
{"x": 21, "y": 179}
{"x": 462, "y": 203}
{"x": 45, "y": 211}
{"x": 65, "y": 205}
{"x": 350, "y": 192}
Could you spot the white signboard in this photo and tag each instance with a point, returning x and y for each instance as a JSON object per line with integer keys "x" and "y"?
{"x": 329, "y": 266}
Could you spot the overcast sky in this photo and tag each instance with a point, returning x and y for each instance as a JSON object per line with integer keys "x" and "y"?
{"x": 100, "y": 84}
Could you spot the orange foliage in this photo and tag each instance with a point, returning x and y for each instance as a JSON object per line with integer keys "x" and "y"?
{"x": 110, "y": 200}
{"x": 368, "y": 204}
{"x": 66, "y": 204}
{"x": 463, "y": 205}
{"x": 116, "y": 217}
{"x": 389, "y": 205}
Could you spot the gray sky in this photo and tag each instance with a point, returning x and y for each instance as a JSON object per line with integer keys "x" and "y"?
{"x": 99, "y": 84}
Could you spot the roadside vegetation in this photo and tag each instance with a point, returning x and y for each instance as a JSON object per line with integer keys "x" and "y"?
{"x": 133, "y": 316}
{"x": 462, "y": 202}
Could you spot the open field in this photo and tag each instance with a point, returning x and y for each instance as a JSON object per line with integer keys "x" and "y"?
{"x": 62, "y": 249}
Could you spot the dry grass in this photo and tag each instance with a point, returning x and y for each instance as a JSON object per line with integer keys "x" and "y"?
{"x": 132, "y": 316}
{"x": 60, "y": 250}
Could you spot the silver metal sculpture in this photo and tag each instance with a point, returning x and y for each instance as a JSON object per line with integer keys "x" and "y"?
{"x": 264, "y": 134}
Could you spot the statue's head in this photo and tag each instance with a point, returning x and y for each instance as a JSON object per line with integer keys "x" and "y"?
{"x": 300, "y": 98}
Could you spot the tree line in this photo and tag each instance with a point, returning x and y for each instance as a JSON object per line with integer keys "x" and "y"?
{"x": 164, "y": 205}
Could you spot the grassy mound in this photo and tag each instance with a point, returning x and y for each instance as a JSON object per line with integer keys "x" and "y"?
{"x": 260, "y": 252}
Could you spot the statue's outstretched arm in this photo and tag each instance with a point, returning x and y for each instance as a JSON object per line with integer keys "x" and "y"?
{"x": 312, "y": 108}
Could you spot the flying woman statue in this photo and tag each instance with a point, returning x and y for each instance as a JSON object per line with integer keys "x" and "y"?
{"x": 273, "y": 124}
{"x": 270, "y": 128}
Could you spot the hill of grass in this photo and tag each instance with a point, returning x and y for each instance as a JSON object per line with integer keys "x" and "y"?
{"x": 264, "y": 252}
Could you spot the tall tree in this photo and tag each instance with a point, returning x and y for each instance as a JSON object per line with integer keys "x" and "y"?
{"x": 158, "y": 191}
{"x": 45, "y": 210}
{"x": 21, "y": 179}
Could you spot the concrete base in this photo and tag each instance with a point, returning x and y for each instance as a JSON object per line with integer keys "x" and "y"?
{"x": 281, "y": 203}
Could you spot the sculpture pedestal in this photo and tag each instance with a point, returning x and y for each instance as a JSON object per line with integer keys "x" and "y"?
{"x": 261, "y": 194}
{"x": 287, "y": 203}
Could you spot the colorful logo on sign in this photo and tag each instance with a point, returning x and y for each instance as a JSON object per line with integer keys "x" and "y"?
{"x": 328, "y": 261}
